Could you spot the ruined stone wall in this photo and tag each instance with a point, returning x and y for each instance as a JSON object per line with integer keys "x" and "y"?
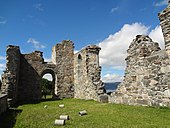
{"x": 22, "y": 79}
{"x": 147, "y": 74}
{"x": 10, "y": 78}
{"x": 63, "y": 57}
{"x": 87, "y": 83}
{"x": 30, "y": 79}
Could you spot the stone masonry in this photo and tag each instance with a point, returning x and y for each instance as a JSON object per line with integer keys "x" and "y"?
{"x": 21, "y": 80}
{"x": 63, "y": 57}
{"x": 146, "y": 81}
{"x": 11, "y": 75}
{"x": 87, "y": 83}
{"x": 147, "y": 75}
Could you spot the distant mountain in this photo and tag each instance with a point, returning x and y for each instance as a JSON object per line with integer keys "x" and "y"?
{"x": 111, "y": 87}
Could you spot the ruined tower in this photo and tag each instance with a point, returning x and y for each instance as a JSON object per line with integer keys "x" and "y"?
{"x": 62, "y": 57}
{"x": 87, "y": 83}
{"x": 164, "y": 17}
{"x": 10, "y": 78}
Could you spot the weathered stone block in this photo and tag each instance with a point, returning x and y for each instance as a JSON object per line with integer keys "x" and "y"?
{"x": 103, "y": 98}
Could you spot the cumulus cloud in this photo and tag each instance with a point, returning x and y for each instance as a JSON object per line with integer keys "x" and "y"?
{"x": 2, "y": 57}
{"x": 36, "y": 44}
{"x": 47, "y": 59}
{"x": 2, "y": 66}
{"x": 76, "y": 51}
{"x": 39, "y": 7}
{"x": 112, "y": 78}
{"x": 162, "y": 3}
{"x": 113, "y": 48}
{"x": 157, "y": 36}
{"x": 114, "y": 9}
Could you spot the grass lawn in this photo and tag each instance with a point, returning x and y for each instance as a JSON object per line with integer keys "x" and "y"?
{"x": 99, "y": 115}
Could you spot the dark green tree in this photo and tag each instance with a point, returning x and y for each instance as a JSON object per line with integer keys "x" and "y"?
{"x": 46, "y": 86}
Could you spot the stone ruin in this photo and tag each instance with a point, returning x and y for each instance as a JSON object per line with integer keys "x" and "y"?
{"x": 87, "y": 83}
{"x": 73, "y": 75}
{"x": 147, "y": 75}
{"x": 146, "y": 81}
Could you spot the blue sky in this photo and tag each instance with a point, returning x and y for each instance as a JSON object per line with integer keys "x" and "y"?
{"x": 111, "y": 24}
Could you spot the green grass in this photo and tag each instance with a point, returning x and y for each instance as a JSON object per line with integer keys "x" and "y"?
{"x": 99, "y": 115}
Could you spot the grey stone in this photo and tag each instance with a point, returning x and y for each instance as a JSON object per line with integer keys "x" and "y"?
{"x": 147, "y": 74}
{"x": 103, "y": 98}
{"x": 73, "y": 76}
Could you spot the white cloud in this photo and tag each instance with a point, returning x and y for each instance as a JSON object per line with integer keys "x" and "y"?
{"x": 162, "y": 3}
{"x": 112, "y": 78}
{"x": 2, "y": 66}
{"x": 36, "y": 44}
{"x": 157, "y": 36}
{"x": 48, "y": 77}
{"x": 2, "y": 20}
{"x": 39, "y": 7}
{"x": 114, "y": 9}
{"x": 113, "y": 48}
{"x": 76, "y": 51}
{"x": 2, "y": 57}
{"x": 47, "y": 59}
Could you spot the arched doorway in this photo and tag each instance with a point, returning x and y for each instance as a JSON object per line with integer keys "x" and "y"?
{"x": 48, "y": 84}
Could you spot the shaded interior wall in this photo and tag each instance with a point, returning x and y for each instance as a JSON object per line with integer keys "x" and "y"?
{"x": 32, "y": 69}
{"x": 63, "y": 57}
{"x": 87, "y": 71}
{"x": 147, "y": 75}
{"x": 3, "y": 103}
{"x": 30, "y": 80}
{"x": 10, "y": 78}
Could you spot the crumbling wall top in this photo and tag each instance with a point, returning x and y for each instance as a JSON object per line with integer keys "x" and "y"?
{"x": 34, "y": 56}
{"x": 12, "y": 46}
{"x": 142, "y": 46}
{"x": 93, "y": 47}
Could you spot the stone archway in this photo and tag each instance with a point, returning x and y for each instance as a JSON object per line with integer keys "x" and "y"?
{"x": 54, "y": 80}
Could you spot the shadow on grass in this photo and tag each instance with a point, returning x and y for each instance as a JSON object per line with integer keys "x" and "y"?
{"x": 50, "y": 99}
{"x": 8, "y": 119}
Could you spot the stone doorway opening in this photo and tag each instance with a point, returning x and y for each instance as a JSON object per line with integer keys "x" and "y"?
{"x": 47, "y": 85}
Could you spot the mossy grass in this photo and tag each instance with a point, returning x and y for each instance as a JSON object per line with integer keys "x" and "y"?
{"x": 99, "y": 115}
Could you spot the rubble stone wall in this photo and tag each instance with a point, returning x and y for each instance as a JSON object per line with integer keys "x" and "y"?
{"x": 10, "y": 78}
{"x": 30, "y": 79}
{"x": 63, "y": 56}
{"x": 22, "y": 79}
{"x": 147, "y": 75}
{"x": 87, "y": 83}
